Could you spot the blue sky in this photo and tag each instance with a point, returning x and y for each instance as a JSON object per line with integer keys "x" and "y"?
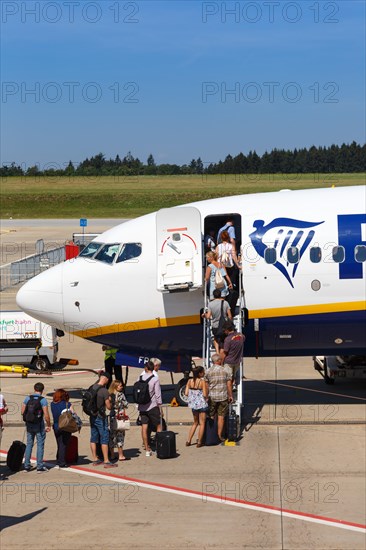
{"x": 178, "y": 79}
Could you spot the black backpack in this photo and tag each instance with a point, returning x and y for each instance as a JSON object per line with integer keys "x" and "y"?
{"x": 89, "y": 401}
{"x": 141, "y": 392}
{"x": 33, "y": 412}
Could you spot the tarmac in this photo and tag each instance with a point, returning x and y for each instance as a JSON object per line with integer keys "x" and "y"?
{"x": 295, "y": 480}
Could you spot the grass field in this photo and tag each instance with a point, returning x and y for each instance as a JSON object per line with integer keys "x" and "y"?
{"x": 129, "y": 197}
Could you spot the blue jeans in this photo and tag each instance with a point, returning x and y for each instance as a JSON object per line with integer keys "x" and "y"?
{"x": 99, "y": 430}
{"x": 41, "y": 437}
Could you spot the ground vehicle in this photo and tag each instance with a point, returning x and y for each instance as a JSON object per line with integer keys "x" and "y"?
{"x": 26, "y": 341}
{"x": 340, "y": 366}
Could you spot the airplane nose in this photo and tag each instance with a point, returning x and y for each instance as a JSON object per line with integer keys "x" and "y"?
{"x": 41, "y": 297}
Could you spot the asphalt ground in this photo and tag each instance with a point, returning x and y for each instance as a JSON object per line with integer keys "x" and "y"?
{"x": 295, "y": 480}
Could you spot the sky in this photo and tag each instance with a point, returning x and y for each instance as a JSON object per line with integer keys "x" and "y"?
{"x": 178, "y": 79}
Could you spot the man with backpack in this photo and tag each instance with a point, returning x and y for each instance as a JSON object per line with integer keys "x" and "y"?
{"x": 35, "y": 414}
{"x": 218, "y": 311}
{"x": 147, "y": 395}
{"x": 96, "y": 400}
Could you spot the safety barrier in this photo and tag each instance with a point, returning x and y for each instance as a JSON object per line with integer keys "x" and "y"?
{"x": 20, "y": 271}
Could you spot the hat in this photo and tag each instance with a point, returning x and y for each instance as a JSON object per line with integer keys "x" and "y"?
{"x": 105, "y": 374}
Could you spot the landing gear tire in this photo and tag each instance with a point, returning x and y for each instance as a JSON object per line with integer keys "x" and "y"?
{"x": 180, "y": 396}
{"x": 327, "y": 379}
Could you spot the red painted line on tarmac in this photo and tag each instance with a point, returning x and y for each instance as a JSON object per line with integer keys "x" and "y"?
{"x": 209, "y": 497}
{"x": 227, "y": 500}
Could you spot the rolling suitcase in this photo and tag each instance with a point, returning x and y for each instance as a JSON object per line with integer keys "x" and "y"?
{"x": 15, "y": 456}
{"x": 72, "y": 453}
{"x": 165, "y": 444}
{"x": 232, "y": 425}
{"x": 211, "y": 436}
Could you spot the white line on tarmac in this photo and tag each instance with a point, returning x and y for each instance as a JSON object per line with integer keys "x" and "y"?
{"x": 207, "y": 497}
{"x": 292, "y": 387}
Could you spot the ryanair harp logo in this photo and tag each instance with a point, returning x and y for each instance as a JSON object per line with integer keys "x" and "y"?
{"x": 280, "y": 234}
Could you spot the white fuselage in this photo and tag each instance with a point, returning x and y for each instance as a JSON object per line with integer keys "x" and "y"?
{"x": 119, "y": 303}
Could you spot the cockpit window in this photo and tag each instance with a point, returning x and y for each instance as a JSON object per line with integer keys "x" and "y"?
{"x": 90, "y": 250}
{"x": 129, "y": 251}
{"x": 108, "y": 253}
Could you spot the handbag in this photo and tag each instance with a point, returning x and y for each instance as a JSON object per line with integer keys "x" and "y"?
{"x": 222, "y": 320}
{"x": 121, "y": 423}
{"x": 67, "y": 422}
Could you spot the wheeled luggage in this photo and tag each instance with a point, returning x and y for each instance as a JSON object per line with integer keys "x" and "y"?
{"x": 165, "y": 444}
{"x": 72, "y": 453}
{"x": 211, "y": 436}
{"x": 15, "y": 456}
{"x": 232, "y": 425}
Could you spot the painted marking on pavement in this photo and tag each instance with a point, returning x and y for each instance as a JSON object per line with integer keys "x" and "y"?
{"x": 207, "y": 497}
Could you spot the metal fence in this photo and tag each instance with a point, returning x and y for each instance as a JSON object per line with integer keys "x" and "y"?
{"x": 20, "y": 271}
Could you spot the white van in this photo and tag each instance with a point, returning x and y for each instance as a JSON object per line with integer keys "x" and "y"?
{"x": 21, "y": 335}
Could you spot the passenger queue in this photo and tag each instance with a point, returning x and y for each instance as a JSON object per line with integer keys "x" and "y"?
{"x": 209, "y": 395}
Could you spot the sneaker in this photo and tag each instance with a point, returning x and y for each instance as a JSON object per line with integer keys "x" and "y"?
{"x": 28, "y": 469}
{"x": 148, "y": 453}
{"x": 43, "y": 469}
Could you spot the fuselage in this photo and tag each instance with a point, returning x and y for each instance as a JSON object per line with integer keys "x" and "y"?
{"x": 303, "y": 264}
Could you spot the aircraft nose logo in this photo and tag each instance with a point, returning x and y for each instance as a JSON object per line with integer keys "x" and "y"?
{"x": 282, "y": 233}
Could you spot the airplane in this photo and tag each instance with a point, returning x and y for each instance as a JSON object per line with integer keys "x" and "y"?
{"x": 140, "y": 286}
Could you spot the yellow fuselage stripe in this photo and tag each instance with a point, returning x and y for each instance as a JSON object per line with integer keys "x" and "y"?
{"x": 195, "y": 319}
{"x": 307, "y": 310}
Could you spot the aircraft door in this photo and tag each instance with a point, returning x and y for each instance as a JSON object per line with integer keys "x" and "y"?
{"x": 179, "y": 249}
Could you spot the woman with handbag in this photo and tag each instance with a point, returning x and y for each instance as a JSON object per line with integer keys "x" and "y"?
{"x": 119, "y": 421}
{"x": 59, "y": 403}
{"x": 197, "y": 393}
{"x": 215, "y": 270}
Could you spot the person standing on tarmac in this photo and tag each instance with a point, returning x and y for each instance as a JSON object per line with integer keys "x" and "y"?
{"x": 35, "y": 413}
{"x": 110, "y": 363}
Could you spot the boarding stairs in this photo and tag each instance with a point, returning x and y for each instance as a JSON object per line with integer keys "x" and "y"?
{"x": 208, "y": 347}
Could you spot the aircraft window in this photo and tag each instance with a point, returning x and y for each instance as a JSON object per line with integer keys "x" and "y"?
{"x": 293, "y": 255}
{"x": 338, "y": 254}
{"x": 360, "y": 253}
{"x": 129, "y": 251}
{"x": 90, "y": 250}
{"x": 107, "y": 253}
{"x": 270, "y": 255}
{"x": 315, "y": 254}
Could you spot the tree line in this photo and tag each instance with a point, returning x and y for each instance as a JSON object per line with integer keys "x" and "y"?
{"x": 346, "y": 158}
